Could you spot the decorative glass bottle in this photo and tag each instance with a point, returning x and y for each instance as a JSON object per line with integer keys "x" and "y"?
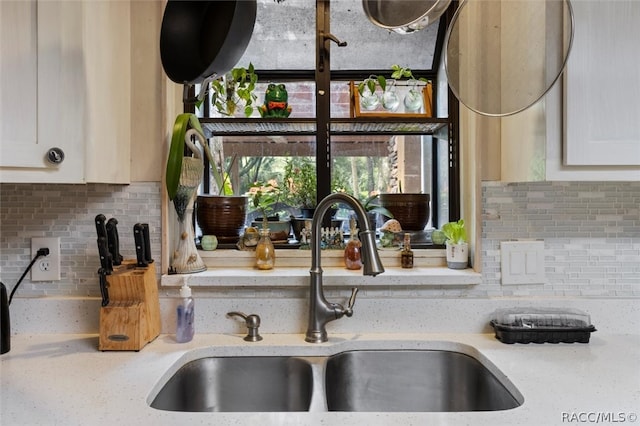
{"x": 390, "y": 99}
{"x": 406, "y": 257}
{"x": 368, "y": 97}
{"x": 352, "y": 259}
{"x": 265, "y": 252}
{"x": 413, "y": 101}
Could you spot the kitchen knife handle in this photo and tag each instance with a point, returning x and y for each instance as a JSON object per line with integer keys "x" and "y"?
{"x": 147, "y": 243}
{"x": 101, "y": 226}
{"x": 138, "y": 238}
{"x": 114, "y": 241}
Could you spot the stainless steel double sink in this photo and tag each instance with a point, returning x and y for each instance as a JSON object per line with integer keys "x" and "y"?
{"x": 357, "y": 380}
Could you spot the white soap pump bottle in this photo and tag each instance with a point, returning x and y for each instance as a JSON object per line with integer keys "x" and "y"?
{"x": 185, "y": 316}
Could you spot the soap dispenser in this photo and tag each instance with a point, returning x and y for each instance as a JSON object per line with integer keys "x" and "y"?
{"x": 5, "y": 341}
{"x": 185, "y": 326}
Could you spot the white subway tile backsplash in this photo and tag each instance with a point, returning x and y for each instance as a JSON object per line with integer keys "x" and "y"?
{"x": 591, "y": 232}
{"x": 68, "y": 212}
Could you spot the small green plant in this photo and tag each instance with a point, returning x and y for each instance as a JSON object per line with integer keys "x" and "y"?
{"x": 397, "y": 73}
{"x": 372, "y": 205}
{"x": 371, "y": 82}
{"x": 401, "y": 72}
{"x": 236, "y": 88}
{"x": 264, "y": 198}
{"x": 455, "y": 232}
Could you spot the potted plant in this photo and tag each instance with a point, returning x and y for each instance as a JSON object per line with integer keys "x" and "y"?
{"x": 456, "y": 244}
{"x": 234, "y": 89}
{"x": 265, "y": 198}
{"x": 412, "y": 210}
{"x": 373, "y": 208}
{"x": 300, "y": 191}
{"x": 300, "y": 185}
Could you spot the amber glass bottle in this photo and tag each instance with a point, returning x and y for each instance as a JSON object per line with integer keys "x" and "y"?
{"x": 352, "y": 259}
{"x": 265, "y": 252}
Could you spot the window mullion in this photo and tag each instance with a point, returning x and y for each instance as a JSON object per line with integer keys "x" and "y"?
{"x": 323, "y": 100}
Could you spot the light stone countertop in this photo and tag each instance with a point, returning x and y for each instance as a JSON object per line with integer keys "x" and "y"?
{"x": 62, "y": 379}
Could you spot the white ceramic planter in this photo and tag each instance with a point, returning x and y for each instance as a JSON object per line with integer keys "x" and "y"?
{"x": 457, "y": 255}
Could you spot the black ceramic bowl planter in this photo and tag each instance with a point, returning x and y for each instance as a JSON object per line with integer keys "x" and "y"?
{"x": 222, "y": 215}
{"x": 410, "y": 209}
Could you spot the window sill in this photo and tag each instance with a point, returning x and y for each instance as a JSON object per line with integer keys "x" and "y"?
{"x": 292, "y": 271}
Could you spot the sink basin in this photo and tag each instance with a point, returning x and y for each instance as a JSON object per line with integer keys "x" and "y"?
{"x": 238, "y": 384}
{"x": 391, "y": 380}
{"x": 413, "y": 380}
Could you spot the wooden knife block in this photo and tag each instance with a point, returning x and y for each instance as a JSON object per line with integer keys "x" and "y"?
{"x": 132, "y": 317}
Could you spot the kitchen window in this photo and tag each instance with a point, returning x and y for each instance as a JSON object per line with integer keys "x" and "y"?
{"x": 361, "y": 162}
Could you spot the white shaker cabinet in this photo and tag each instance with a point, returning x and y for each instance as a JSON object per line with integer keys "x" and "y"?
{"x": 603, "y": 85}
{"x": 587, "y": 128}
{"x": 65, "y": 83}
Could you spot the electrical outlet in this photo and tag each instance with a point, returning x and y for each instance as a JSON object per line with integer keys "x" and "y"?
{"x": 46, "y": 268}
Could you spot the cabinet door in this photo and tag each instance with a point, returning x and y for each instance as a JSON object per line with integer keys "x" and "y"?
{"x": 603, "y": 85}
{"x": 46, "y": 72}
{"x": 18, "y": 82}
{"x": 73, "y": 62}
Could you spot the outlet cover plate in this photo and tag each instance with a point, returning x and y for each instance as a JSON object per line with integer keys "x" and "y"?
{"x": 522, "y": 262}
{"x": 46, "y": 268}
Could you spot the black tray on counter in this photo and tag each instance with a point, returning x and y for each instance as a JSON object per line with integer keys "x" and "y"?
{"x": 512, "y": 334}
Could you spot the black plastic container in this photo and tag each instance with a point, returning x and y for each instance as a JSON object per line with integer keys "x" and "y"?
{"x": 534, "y": 325}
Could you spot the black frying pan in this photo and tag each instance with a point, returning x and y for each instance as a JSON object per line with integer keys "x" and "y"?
{"x": 199, "y": 39}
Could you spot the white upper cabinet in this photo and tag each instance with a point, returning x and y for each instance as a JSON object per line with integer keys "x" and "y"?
{"x": 65, "y": 83}
{"x": 603, "y": 85}
{"x": 587, "y": 127}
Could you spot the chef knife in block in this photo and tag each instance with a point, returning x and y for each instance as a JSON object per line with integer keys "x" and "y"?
{"x": 147, "y": 243}
{"x": 114, "y": 241}
{"x": 138, "y": 238}
{"x": 101, "y": 227}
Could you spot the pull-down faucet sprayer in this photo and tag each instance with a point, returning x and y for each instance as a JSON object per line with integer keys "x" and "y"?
{"x": 320, "y": 310}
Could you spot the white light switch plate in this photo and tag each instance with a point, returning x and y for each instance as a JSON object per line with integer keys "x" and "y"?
{"x": 522, "y": 262}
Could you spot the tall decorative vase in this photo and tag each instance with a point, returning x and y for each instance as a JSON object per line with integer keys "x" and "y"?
{"x": 185, "y": 258}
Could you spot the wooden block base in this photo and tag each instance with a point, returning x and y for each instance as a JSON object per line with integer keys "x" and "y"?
{"x": 132, "y": 317}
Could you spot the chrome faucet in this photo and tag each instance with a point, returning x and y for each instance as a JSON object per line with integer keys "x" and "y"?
{"x": 320, "y": 310}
